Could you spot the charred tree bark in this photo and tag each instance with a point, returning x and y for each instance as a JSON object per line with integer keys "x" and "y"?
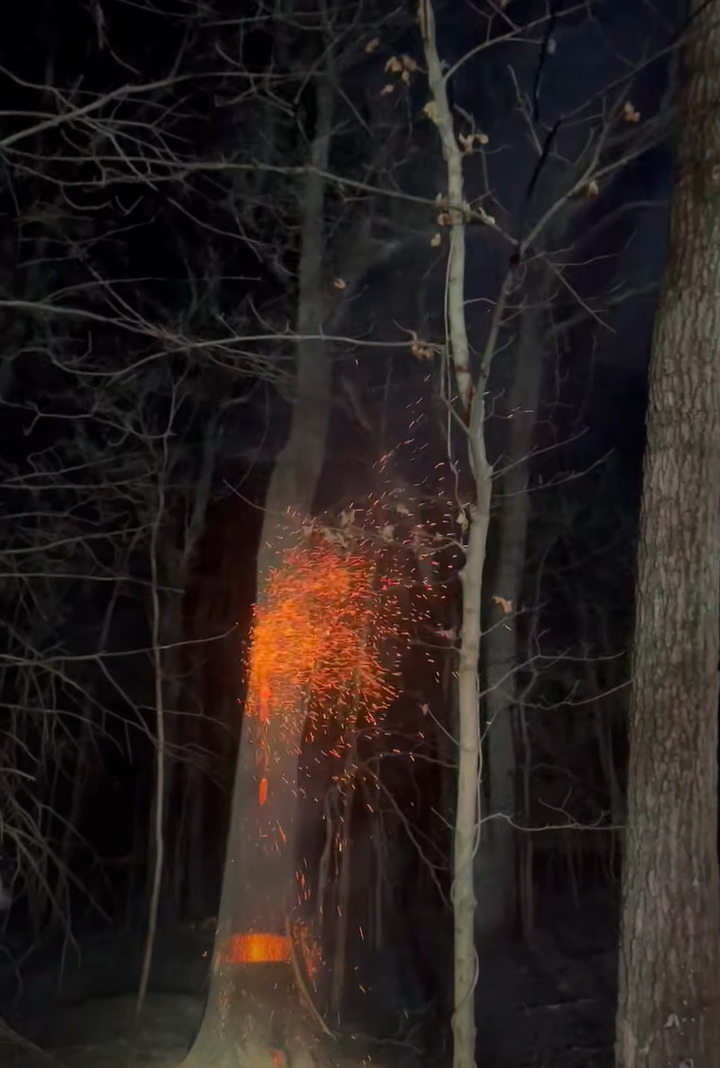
{"x": 669, "y": 1003}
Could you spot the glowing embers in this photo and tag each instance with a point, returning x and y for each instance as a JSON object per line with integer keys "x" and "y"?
{"x": 256, "y": 949}
{"x": 316, "y": 638}
{"x": 309, "y": 951}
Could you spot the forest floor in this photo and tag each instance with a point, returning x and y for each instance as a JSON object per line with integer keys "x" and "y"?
{"x": 103, "y": 1033}
{"x": 549, "y": 1007}
{"x": 83, "y": 1014}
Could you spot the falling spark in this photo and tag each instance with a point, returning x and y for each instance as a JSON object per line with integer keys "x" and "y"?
{"x": 337, "y": 615}
{"x": 319, "y": 631}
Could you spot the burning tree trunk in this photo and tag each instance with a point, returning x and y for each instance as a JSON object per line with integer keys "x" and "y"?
{"x": 669, "y": 1005}
{"x": 252, "y": 895}
{"x": 250, "y": 1006}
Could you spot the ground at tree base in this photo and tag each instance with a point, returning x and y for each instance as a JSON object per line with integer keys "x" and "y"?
{"x": 549, "y": 1009}
{"x": 101, "y": 1033}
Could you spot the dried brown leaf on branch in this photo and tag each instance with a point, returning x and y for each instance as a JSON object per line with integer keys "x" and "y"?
{"x": 468, "y": 141}
{"x": 430, "y": 111}
{"x": 629, "y": 112}
{"x": 420, "y": 349}
{"x": 504, "y": 604}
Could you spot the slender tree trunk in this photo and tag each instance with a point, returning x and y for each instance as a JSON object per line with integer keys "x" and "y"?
{"x": 669, "y": 1003}
{"x": 344, "y": 883}
{"x": 182, "y": 780}
{"x": 83, "y": 745}
{"x": 476, "y": 517}
{"x": 496, "y": 868}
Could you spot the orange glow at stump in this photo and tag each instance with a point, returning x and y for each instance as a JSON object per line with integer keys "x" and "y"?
{"x": 256, "y": 949}
{"x": 242, "y": 949}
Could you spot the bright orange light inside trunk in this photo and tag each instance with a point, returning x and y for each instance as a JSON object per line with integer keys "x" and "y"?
{"x": 256, "y": 949}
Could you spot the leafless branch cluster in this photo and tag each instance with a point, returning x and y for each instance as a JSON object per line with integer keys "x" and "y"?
{"x": 152, "y": 214}
{"x": 151, "y": 201}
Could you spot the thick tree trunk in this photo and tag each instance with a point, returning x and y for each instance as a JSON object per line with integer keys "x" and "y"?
{"x": 251, "y": 896}
{"x": 669, "y": 1003}
{"x": 253, "y": 1012}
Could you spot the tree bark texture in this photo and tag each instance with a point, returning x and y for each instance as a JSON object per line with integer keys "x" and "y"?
{"x": 669, "y": 998}
{"x": 471, "y": 404}
{"x": 252, "y": 1012}
{"x": 266, "y": 836}
{"x": 495, "y": 862}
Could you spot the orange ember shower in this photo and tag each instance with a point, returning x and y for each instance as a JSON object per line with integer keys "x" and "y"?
{"x": 317, "y": 631}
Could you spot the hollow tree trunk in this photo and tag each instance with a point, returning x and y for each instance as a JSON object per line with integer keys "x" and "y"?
{"x": 669, "y": 1003}
{"x": 252, "y": 1011}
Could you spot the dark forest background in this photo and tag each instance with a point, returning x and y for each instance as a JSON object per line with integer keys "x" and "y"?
{"x": 151, "y": 194}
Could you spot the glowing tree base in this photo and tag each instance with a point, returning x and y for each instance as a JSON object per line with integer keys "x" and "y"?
{"x": 315, "y": 651}
{"x": 261, "y": 1022}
